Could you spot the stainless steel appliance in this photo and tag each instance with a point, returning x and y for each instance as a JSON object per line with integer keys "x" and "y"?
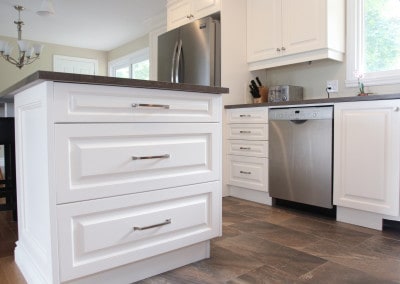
{"x": 283, "y": 93}
{"x": 300, "y": 155}
{"x": 191, "y": 53}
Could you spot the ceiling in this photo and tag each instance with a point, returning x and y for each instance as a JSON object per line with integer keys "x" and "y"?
{"x": 93, "y": 24}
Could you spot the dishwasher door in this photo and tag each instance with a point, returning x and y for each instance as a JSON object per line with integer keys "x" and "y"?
{"x": 300, "y": 156}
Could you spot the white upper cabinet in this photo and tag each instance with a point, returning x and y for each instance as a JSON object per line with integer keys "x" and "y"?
{"x": 283, "y": 32}
{"x": 366, "y": 156}
{"x": 180, "y": 12}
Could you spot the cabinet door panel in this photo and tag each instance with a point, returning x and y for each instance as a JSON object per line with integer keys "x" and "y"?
{"x": 202, "y": 8}
{"x": 100, "y": 160}
{"x": 366, "y": 156}
{"x": 178, "y": 14}
{"x": 263, "y": 29}
{"x": 101, "y": 234}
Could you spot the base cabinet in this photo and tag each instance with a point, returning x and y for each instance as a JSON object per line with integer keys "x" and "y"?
{"x": 108, "y": 190}
{"x": 367, "y": 156}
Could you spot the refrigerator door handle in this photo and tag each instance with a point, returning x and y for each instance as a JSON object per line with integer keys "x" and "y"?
{"x": 173, "y": 62}
{"x": 178, "y": 58}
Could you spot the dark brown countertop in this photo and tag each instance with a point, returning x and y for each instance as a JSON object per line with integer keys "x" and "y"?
{"x": 319, "y": 101}
{"x": 41, "y": 76}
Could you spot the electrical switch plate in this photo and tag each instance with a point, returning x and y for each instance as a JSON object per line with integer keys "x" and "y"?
{"x": 332, "y": 86}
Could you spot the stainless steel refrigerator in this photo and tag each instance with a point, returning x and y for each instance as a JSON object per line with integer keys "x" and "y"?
{"x": 191, "y": 54}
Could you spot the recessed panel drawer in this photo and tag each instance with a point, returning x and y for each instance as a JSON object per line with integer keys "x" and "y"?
{"x": 248, "y": 148}
{"x": 248, "y": 115}
{"x": 101, "y": 234}
{"x": 248, "y": 172}
{"x": 248, "y": 131}
{"x": 101, "y": 160}
{"x": 88, "y": 103}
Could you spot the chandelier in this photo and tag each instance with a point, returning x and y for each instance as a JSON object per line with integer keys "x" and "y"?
{"x": 27, "y": 53}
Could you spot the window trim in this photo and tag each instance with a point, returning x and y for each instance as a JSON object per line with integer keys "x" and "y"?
{"x": 355, "y": 52}
{"x": 128, "y": 60}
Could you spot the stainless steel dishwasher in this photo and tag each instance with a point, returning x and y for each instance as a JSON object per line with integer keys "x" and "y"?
{"x": 300, "y": 155}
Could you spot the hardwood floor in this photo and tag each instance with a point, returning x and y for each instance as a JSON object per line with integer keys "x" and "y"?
{"x": 262, "y": 244}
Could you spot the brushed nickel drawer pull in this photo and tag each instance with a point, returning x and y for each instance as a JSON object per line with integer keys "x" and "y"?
{"x": 166, "y": 156}
{"x": 245, "y": 131}
{"x": 150, "y": 106}
{"x": 166, "y": 222}
{"x": 245, "y": 115}
{"x": 245, "y": 148}
{"x": 246, "y": 173}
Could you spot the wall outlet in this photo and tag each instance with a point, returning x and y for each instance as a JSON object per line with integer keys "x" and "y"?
{"x": 332, "y": 86}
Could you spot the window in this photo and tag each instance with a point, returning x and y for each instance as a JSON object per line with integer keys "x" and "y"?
{"x": 134, "y": 66}
{"x": 373, "y": 41}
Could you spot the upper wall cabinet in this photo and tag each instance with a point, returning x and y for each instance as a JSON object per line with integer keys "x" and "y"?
{"x": 283, "y": 32}
{"x": 180, "y": 12}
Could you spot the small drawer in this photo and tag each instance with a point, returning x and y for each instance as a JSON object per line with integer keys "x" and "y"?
{"x": 101, "y": 234}
{"x": 248, "y": 172}
{"x": 248, "y": 131}
{"x": 88, "y": 103}
{"x": 248, "y": 148}
{"x": 248, "y": 115}
{"x": 103, "y": 160}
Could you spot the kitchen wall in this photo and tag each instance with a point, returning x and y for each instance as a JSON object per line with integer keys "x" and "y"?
{"x": 129, "y": 48}
{"x": 9, "y": 74}
{"x": 313, "y": 76}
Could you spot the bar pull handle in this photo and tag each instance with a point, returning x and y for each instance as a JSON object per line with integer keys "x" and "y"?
{"x": 245, "y": 115}
{"x": 245, "y": 148}
{"x": 245, "y": 173}
{"x": 245, "y": 131}
{"x": 150, "y": 106}
{"x": 166, "y": 156}
{"x": 166, "y": 222}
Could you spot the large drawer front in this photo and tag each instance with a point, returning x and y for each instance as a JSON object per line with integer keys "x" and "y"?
{"x": 248, "y": 172}
{"x": 248, "y": 115}
{"x": 248, "y": 148}
{"x": 101, "y": 160}
{"x": 97, "y": 235}
{"x": 88, "y": 103}
{"x": 248, "y": 131}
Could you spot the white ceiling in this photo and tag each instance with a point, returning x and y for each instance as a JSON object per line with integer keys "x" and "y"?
{"x": 94, "y": 24}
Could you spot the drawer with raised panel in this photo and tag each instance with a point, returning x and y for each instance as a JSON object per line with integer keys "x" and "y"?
{"x": 248, "y": 131}
{"x": 248, "y": 172}
{"x": 248, "y": 115}
{"x": 89, "y": 103}
{"x": 101, "y": 160}
{"x": 101, "y": 234}
{"x": 248, "y": 148}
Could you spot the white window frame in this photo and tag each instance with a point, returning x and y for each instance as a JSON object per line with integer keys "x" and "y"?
{"x": 128, "y": 60}
{"x": 355, "y": 52}
{"x": 76, "y": 62}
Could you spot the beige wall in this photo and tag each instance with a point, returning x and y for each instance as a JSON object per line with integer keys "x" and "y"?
{"x": 9, "y": 74}
{"x": 129, "y": 48}
{"x": 313, "y": 78}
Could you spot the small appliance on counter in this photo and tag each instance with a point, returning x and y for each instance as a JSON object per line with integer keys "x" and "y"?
{"x": 284, "y": 93}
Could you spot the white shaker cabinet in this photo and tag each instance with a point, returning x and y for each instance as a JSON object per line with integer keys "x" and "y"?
{"x": 115, "y": 184}
{"x": 367, "y": 156}
{"x": 247, "y": 149}
{"x": 283, "y": 32}
{"x": 180, "y": 12}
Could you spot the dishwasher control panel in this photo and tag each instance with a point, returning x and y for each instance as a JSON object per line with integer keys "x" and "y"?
{"x": 301, "y": 113}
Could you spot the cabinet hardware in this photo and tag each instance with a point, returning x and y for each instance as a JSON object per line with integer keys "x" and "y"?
{"x": 166, "y": 156}
{"x": 246, "y": 173}
{"x": 245, "y": 132}
{"x": 166, "y": 222}
{"x": 278, "y": 49}
{"x": 245, "y": 115}
{"x": 396, "y": 109}
{"x": 150, "y": 106}
{"x": 283, "y": 48}
{"x": 245, "y": 148}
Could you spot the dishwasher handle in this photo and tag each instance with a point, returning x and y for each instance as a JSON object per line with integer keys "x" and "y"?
{"x": 299, "y": 121}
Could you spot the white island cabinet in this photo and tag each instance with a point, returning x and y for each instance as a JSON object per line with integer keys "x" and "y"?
{"x": 115, "y": 184}
{"x": 367, "y": 162}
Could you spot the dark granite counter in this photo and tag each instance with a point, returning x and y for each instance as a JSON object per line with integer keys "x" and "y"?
{"x": 41, "y": 76}
{"x": 319, "y": 101}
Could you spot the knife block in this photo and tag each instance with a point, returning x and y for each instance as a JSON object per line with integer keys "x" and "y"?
{"x": 263, "y": 91}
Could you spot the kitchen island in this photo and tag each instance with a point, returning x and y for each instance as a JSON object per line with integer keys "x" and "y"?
{"x": 117, "y": 179}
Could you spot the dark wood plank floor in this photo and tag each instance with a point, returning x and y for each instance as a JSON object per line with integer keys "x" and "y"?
{"x": 263, "y": 244}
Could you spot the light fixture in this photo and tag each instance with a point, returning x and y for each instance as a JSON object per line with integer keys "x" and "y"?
{"x": 27, "y": 54}
{"x": 46, "y": 8}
